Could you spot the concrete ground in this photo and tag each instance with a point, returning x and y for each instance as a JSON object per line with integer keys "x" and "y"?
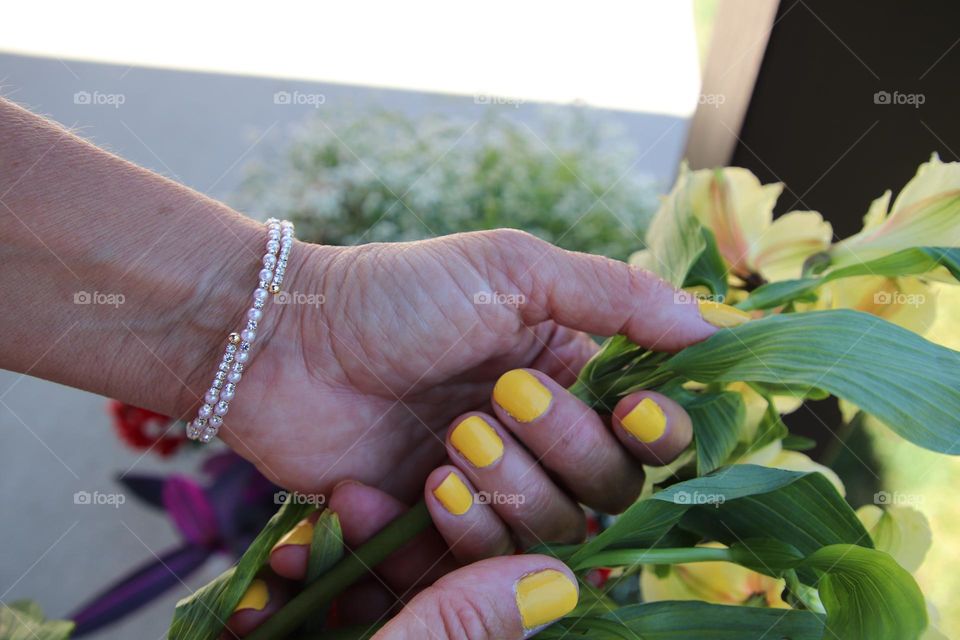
{"x": 199, "y": 129}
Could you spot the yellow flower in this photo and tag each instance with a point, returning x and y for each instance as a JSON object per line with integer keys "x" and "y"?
{"x": 903, "y": 532}
{"x": 925, "y": 214}
{"x": 909, "y": 302}
{"x": 718, "y": 582}
{"x": 739, "y": 211}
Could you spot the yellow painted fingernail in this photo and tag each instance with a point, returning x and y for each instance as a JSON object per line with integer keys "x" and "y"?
{"x": 454, "y": 495}
{"x": 545, "y": 596}
{"x": 256, "y": 596}
{"x": 646, "y": 422}
{"x": 721, "y": 315}
{"x": 477, "y": 441}
{"x": 300, "y": 534}
{"x": 522, "y": 395}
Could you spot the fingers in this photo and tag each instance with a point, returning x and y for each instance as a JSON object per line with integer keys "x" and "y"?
{"x": 596, "y": 294}
{"x": 506, "y": 598}
{"x": 568, "y": 438}
{"x": 510, "y": 484}
{"x": 514, "y": 473}
{"x": 470, "y": 527}
{"x": 654, "y": 428}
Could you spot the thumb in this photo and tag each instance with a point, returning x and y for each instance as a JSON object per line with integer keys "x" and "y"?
{"x": 506, "y": 597}
{"x": 596, "y": 294}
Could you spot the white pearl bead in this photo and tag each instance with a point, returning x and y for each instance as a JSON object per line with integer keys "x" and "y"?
{"x": 243, "y": 356}
{"x": 222, "y": 408}
{"x": 233, "y": 377}
{"x": 255, "y": 314}
{"x": 206, "y": 410}
{"x": 286, "y": 242}
{"x": 287, "y": 232}
{"x": 269, "y": 261}
{"x": 260, "y": 294}
{"x": 216, "y": 422}
{"x": 229, "y": 393}
{"x": 266, "y": 275}
{"x": 273, "y": 234}
{"x": 248, "y": 336}
{"x": 212, "y": 396}
{"x": 273, "y": 246}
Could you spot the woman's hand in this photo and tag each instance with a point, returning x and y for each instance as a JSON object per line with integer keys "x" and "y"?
{"x": 380, "y": 346}
{"x": 508, "y": 482}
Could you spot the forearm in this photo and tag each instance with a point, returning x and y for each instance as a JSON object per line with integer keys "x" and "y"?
{"x": 114, "y": 279}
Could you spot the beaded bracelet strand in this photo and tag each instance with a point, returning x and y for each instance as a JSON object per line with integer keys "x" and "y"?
{"x": 237, "y": 353}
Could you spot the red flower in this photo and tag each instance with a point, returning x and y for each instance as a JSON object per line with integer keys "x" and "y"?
{"x": 145, "y": 429}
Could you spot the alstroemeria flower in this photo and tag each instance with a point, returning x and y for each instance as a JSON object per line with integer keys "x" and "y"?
{"x": 925, "y": 214}
{"x": 739, "y": 211}
{"x": 718, "y": 582}
{"x": 909, "y": 302}
{"x": 903, "y": 532}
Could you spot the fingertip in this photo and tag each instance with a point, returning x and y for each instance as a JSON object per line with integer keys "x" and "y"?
{"x": 652, "y": 427}
{"x": 290, "y": 555}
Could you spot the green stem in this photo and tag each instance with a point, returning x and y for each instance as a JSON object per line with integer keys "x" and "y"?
{"x": 625, "y": 557}
{"x": 351, "y": 568}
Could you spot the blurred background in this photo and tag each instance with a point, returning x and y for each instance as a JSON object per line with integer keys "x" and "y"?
{"x": 375, "y": 121}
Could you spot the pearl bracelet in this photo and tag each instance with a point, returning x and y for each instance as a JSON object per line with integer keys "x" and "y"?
{"x": 224, "y": 388}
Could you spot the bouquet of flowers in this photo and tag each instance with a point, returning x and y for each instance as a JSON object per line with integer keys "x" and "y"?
{"x": 744, "y": 536}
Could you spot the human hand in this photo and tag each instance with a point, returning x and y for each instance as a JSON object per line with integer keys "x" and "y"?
{"x": 410, "y": 335}
{"x": 448, "y": 583}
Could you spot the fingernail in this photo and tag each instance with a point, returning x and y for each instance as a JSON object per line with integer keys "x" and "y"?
{"x": 522, "y": 395}
{"x": 300, "y": 534}
{"x": 454, "y": 495}
{"x": 646, "y": 422}
{"x": 477, "y": 441}
{"x": 256, "y": 596}
{"x": 722, "y": 315}
{"x": 545, "y": 596}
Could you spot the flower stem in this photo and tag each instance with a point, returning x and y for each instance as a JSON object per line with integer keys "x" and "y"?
{"x": 626, "y": 557}
{"x": 351, "y": 568}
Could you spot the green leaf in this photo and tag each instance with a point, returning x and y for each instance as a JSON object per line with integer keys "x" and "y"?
{"x": 674, "y": 239}
{"x": 695, "y": 620}
{"x": 909, "y": 383}
{"x": 867, "y": 595}
{"x": 24, "y": 620}
{"x": 732, "y": 504}
{"x": 768, "y": 556}
{"x": 746, "y": 501}
{"x": 326, "y": 547}
{"x": 202, "y": 615}
{"x": 913, "y": 261}
{"x": 717, "y": 419}
{"x": 709, "y": 270}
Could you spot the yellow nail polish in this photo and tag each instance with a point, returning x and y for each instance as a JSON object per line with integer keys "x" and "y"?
{"x": 256, "y": 596}
{"x": 477, "y": 441}
{"x": 646, "y": 422}
{"x": 522, "y": 395}
{"x": 545, "y": 596}
{"x": 300, "y": 534}
{"x": 454, "y": 495}
{"x": 722, "y": 315}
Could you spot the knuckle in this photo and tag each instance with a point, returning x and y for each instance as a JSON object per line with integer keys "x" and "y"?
{"x": 461, "y": 617}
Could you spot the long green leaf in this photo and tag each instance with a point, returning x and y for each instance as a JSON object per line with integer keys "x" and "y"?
{"x": 675, "y": 239}
{"x": 867, "y": 595}
{"x": 717, "y": 419}
{"x": 695, "y": 620}
{"x": 733, "y": 504}
{"x": 909, "y": 383}
{"x": 913, "y": 261}
{"x": 202, "y": 615}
